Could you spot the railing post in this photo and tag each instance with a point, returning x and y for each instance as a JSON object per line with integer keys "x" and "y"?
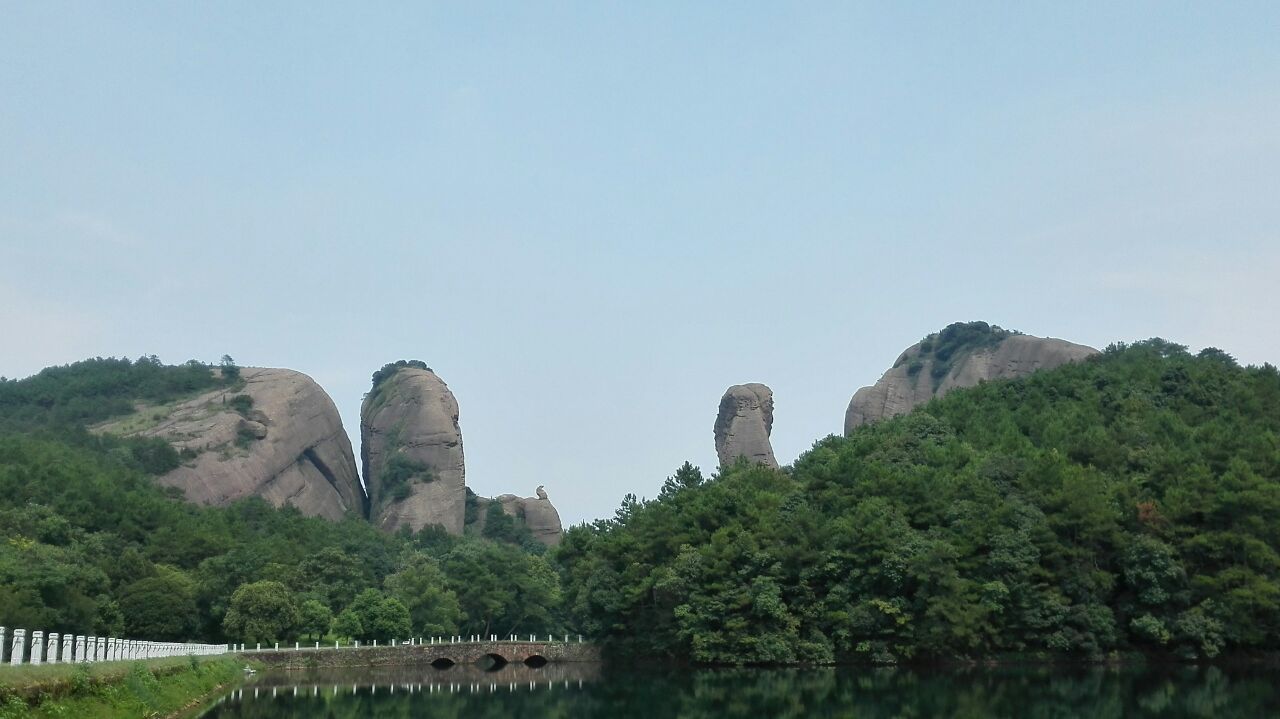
{"x": 1, "y": 645}
{"x": 19, "y": 647}
{"x": 37, "y": 647}
{"x": 68, "y": 645}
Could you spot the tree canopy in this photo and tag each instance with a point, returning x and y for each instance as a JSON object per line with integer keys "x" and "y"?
{"x": 1130, "y": 502}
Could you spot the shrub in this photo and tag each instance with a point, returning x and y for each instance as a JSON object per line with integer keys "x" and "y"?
{"x": 241, "y": 403}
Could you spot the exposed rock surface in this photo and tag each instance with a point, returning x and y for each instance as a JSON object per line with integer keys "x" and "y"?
{"x": 537, "y": 513}
{"x": 925, "y": 370}
{"x": 286, "y": 446}
{"x": 412, "y": 452}
{"x": 744, "y": 424}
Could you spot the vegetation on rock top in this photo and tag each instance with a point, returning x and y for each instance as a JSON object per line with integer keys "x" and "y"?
{"x": 953, "y": 342}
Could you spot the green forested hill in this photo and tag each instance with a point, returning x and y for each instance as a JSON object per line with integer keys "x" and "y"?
{"x": 89, "y": 542}
{"x": 1131, "y": 502}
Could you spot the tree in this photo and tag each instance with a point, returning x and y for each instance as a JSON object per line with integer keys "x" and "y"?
{"x": 314, "y": 619}
{"x": 332, "y": 574}
{"x": 230, "y": 370}
{"x": 686, "y": 476}
{"x": 373, "y": 615}
{"x": 348, "y": 625}
{"x": 262, "y": 612}
{"x": 160, "y": 608}
{"x": 420, "y": 586}
{"x": 500, "y": 588}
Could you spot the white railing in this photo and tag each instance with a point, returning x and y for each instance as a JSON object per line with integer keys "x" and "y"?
{"x": 81, "y": 649}
{"x": 412, "y": 641}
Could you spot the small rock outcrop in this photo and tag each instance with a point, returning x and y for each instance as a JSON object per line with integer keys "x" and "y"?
{"x": 412, "y": 450}
{"x": 962, "y": 355}
{"x": 278, "y": 437}
{"x": 744, "y": 424}
{"x": 537, "y": 513}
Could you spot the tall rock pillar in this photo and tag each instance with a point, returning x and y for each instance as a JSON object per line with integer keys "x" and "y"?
{"x": 744, "y": 424}
{"x": 412, "y": 450}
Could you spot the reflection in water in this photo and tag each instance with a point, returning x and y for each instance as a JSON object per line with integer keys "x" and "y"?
{"x": 584, "y": 690}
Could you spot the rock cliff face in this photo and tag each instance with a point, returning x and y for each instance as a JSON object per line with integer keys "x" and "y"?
{"x": 279, "y": 438}
{"x": 412, "y": 451}
{"x": 744, "y": 424}
{"x": 962, "y": 355}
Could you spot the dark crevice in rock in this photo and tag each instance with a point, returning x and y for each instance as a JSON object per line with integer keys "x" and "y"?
{"x": 311, "y": 456}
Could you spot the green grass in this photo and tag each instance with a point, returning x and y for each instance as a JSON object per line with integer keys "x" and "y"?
{"x": 145, "y": 416}
{"x": 113, "y": 690}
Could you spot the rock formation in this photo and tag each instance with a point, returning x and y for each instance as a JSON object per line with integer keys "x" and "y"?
{"x": 412, "y": 451}
{"x": 744, "y": 424}
{"x": 537, "y": 513}
{"x": 962, "y": 355}
{"x": 279, "y": 438}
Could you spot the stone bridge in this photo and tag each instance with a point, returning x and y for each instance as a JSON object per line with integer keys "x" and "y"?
{"x": 490, "y": 654}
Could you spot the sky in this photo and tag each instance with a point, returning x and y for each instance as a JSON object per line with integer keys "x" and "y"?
{"x": 592, "y": 218}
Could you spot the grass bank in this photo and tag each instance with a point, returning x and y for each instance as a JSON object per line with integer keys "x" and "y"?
{"x": 114, "y": 690}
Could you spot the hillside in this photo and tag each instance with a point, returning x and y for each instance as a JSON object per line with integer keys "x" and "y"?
{"x": 92, "y": 542}
{"x": 1127, "y": 502}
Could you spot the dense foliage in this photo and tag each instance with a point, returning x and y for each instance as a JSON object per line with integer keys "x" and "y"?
{"x": 388, "y": 370}
{"x": 90, "y": 543}
{"x": 956, "y": 340}
{"x": 1131, "y": 502}
{"x": 97, "y": 389}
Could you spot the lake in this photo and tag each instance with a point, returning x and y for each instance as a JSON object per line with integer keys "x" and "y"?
{"x": 577, "y": 690}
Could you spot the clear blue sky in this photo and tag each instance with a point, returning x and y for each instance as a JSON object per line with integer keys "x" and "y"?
{"x": 591, "y": 218}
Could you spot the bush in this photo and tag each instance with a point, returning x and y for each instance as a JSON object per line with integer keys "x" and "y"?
{"x": 241, "y": 403}
{"x": 399, "y": 472}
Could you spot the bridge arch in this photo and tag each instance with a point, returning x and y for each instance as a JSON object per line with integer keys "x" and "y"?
{"x": 493, "y": 661}
{"x": 443, "y": 663}
{"x": 535, "y": 661}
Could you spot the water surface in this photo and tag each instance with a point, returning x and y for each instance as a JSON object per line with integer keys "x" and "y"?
{"x": 568, "y": 690}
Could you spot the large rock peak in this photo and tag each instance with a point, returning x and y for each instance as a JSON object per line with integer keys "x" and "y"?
{"x": 412, "y": 450}
{"x": 278, "y": 437}
{"x": 744, "y": 424}
{"x": 961, "y": 355}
